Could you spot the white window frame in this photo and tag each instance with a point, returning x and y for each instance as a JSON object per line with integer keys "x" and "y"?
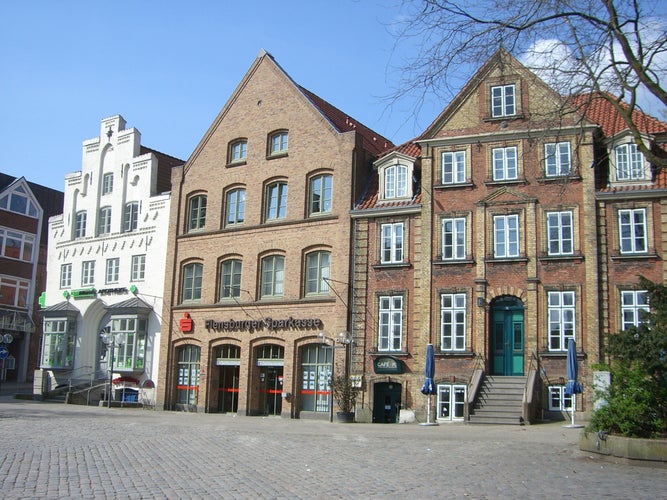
{"x": 131, "y": 216}
{"x": 112, "y": 270}
{"x": 238, "y": 151}
{"x": 276, "y": 201}
{"x": 19, "y": 202}
{"x": 107, "y": 183}
{"x": 279, "y": 143}
{"x": 320, "y": 196}
{"x": 88, "y": 273}
{"x": 506, "y": 236}
{"x": 453, "y": 167}
{"x": 503, "y": 100}
{"x": 392, "y": 238}
{"x": 25, "y": 243}
{"x": 230, "y": 278}
{"x": 562, "y": 319}
{"x": 633, "y": 231}
{"x": 191, "y": 290}
{"x": 318, "y": 271}
{"x": 80, "y": 220}
{"x": 454, "y": 238}
{"x": 560, "y": 233}
{"x": 390, "y": 323}
{"x": 235, "y": 207}
{"x": 557, "y": 159}
{"x": 630, "y": 163}
{"x": 566, "y": 402}
{"x": 395, "y": 181}
{"x": 505, "y": 163}
{"x": 197, "y": 212}
{"x": 58, "y": 343}
{"x": 451, "y": 396}
{"x": 453, "y": 322}
{"x": 634, "y": 306}
{"x": 273, "y": 276}
{"x": 15, "y": 291}
{"x": 104, "y": 221}
{"x": 138, "y": 268}
{"x": 130, "y": 354}
{"x": 66, "y": 275}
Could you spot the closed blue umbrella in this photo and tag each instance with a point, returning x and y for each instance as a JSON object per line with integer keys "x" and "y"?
{"x": 573, "y": 386}
{"x": 429, "y": 387}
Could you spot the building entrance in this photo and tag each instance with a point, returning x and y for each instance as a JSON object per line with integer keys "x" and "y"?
{"x": 386, "y": 402}
{"x": 270, "y": 389}
{"x": 228, "y": 389}
{"x": 507, "y": 339}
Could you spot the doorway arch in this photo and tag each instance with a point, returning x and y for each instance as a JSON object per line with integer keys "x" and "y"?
{"x": 507, "y": 336}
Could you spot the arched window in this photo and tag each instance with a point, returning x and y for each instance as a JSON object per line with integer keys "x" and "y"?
{"x": 238, "y": 151}
{"x": 235, "y": 207}
{"x": 273, "y": 276}
{"x": 188, "y": 370}
{"x": 230, "y": 279}
{"x": 396, "y": 181}
{"x": 197, "y": 213}
{"x": 319, "y": 196}
{"x": 278, "y": 142}
{"x": 318, "y": 267}
{"x": 192, "y": 280}
{"x": 276, "y": 201}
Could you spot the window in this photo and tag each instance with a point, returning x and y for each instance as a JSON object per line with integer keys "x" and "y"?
{"x": 187, "y": 382}
{"x": 451, "y": 402}
{"x": 453, "y": 167}
{"x": 131, "y": 216}
{"x": 453, "y": 322}
{"x": 107, "y": 183}
{"x": 503, "y": 100}
{"x": 276, "y": 196}
{"x": 88, "y": 273}
{"x": 273, "y": 276}
{"x": 80, "y": 224}
{"x": 13, "y": 291}
{"x": 505, "y": 164}
{"x": 113, "y": 266}
{"x": 632, "y": 230}
{"x": 392, "y": 243}
{"x": 396, "y": 181}
{"x": 629, "y": 163}
{"x": 454, "y": 239}
{"x": 58, "y": 344}
{"x": 318, "y": 266}
{"x": 561, "y": 319}
{"x": 506, "y": 236}
{"x": 230, "y": 279}
{"x": 192, "y": 279}
{"x": 18, "y": 202}
{"x": 320, "y": 195}
{"x": 634, "y": 308}
{"x": 560, "y": 236}
{"x": 197, "y": 213}
{"x": 557, "y": 159}
{"x": 278, "y": 143}
{"x": 15, "y": 245}
{"x": 104, "y": 221}
{"x": 390, "y": 325}
{"x": 235, "y": 207}
{"x": 138, "y": 270}
{"x": 130, "y": 353}
{"x": 65, "y": 275}
{"x": 315, "y": 378}
{"x": 559, "y": 401}
{"x": 238, "y": 151}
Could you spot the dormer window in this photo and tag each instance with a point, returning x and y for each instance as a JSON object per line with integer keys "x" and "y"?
{"x": 18, "y": 202}
{"x": 396, "y": 181}
{"x": 630, "y": 165}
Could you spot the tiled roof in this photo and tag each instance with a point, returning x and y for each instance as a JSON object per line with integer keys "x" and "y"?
{"x": 599, "y": 110}
{"x": 373, "y": 142}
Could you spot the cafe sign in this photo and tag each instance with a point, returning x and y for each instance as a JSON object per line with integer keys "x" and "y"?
{"x": 387, "y": 364}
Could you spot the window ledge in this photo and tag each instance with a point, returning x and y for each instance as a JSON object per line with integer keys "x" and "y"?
{"x": 560, "y": 258}
{"x": 454, "y": 262}
{"x": 506, "y": 260}
{"x": 491, "y": 182}
{"x": 559, "y": 178}
{"x": 454, "y": 185}
{"x": 392, "y": 265}
{"x": 634, "y": 256}
{"x": 560, "y": 354}
{"x": 508, "y": 118}
{"x": 237, "y": 163}
{"x": 454, "y": 354}
{"x": 396, "y": 354}
{"x": 276, "y": 155}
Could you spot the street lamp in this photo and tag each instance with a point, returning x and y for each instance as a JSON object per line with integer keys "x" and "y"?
{"x": 112, "y": 340}
{"x": 343, "y": 338}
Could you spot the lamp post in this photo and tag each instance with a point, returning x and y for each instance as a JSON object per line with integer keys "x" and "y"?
{"x": 343, "y": 338}
{"x": 111, "y": 340}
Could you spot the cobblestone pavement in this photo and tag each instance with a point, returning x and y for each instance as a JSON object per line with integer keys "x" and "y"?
{"x": 50, "y": 450}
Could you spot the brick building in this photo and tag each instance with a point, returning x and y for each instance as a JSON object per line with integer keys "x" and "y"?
{"x": 524, "y": 227}
{"x": 25, "y": 208}
{"x": 258, "y": 259}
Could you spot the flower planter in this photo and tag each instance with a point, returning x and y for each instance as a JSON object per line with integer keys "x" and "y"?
{"x": 624, "y": 447}
{"x": 345, "y": 417}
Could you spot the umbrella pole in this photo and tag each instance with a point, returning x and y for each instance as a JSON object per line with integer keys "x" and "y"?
{"x": 428, "y": 410}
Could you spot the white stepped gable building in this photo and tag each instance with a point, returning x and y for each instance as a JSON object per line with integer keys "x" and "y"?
{"x": 106, "y": 264}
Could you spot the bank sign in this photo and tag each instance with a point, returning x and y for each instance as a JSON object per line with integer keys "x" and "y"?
{"x": 255, "y": 325}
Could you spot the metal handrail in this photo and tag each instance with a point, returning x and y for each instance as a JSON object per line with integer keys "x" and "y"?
{"x": 91, "y": 372}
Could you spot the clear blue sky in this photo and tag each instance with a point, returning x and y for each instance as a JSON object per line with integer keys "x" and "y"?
{"x": 169, "y": 66}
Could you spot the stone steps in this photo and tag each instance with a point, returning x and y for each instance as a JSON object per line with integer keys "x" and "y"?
{"x": 499, "y": 402}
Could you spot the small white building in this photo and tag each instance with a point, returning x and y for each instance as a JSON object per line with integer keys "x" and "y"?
{"x": 105, "y": 271}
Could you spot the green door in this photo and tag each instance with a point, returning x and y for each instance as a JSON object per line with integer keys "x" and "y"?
{"x": 507, "y": 337}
